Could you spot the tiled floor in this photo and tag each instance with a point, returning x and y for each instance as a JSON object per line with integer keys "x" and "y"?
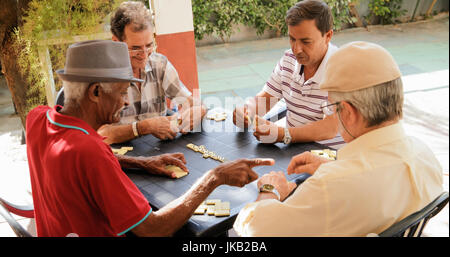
{"x": 240, "y": 69}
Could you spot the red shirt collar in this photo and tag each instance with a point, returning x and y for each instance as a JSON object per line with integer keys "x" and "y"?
{"x": 69, "y": 122}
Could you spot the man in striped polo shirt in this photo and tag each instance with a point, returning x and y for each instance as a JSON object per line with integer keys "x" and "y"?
{"x": 296, "y": 79}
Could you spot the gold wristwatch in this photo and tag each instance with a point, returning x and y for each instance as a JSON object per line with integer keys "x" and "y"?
{"x": 270, "y": 189}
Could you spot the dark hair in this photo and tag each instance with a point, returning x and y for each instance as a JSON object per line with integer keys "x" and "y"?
{"x": 130, "y": 13}
{"x": 311, "y": 10}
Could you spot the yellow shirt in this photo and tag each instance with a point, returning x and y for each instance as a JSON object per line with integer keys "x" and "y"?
{"x": 379, "y": 178}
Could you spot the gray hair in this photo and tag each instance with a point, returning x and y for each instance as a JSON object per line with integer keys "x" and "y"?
{"x": 75, "y": 91}
{"x": 134, "y": 13}
{"x": 377, "y": 104}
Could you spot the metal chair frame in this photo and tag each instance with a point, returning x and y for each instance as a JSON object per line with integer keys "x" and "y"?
{"x": 413, "y": 225}
{"x": 7, "y": 208}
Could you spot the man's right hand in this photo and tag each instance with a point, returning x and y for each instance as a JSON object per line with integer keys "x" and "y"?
{"x": 239, "y": 172}
{"x": 157, "y": 164}
{"x": 160, "y": 127}
{"x": 240, "y": 115}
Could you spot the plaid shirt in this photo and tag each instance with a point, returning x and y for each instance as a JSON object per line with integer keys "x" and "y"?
{"x": 160, "y": 81}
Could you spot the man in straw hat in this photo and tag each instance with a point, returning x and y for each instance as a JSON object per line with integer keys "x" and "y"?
{"x": 77, "y": 183}
{"x": 380, "y": 176}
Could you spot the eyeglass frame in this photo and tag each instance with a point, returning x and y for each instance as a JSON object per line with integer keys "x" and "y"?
{"x": 149, "y": 50}
{"x": 327, "y": 111}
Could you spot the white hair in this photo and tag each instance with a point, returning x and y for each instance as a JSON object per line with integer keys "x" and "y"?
{"x": 377, "y": 104}
{"x": 75, "y": 91}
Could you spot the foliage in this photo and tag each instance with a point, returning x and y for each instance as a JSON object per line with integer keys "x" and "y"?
{"x": 47, "y": 19}
{"x": 219, "y": 16}
{"x": 268, "y": 15}
{"x": 215, "y": 17}
{"x": 341, "y": 12}
{"x": 386, "y": 10}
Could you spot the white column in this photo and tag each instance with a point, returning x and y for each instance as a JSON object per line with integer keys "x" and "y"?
{"x": 173, "y": 16}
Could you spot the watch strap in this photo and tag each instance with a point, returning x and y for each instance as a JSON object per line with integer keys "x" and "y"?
{"x": 287, "y": 136}
{"x": 135, "y": 130}
{"x": 272, "y": 190}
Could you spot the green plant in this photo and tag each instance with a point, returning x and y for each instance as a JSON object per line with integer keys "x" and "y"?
{"x": 219, "y": 16}
{"x": 215, "y": 17}
{"x": 387, "y": 11}
{"x": 268, "y": 15}
{"x": 341, "y": 12}
{"x": 47, "y": 19}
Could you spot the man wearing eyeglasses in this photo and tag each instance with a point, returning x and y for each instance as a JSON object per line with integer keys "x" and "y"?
{"x": 147, "y": 112}
{"x": 380, "y": 176}
{"x": 296, "y": 79}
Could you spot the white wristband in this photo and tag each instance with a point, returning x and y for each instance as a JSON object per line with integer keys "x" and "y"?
{"x": 135, "y": 131}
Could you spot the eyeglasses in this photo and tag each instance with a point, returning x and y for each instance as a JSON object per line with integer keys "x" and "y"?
{"x": 147, "y": 50}
{"x": 327, "y": 109}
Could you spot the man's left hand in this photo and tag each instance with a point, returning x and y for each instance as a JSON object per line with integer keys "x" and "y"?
{"x": 279, "y": 181}
{"x": 267, "y": 132}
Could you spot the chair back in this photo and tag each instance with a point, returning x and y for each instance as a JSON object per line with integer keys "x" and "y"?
{"x": 412, "y": 226}
{"x": 60, "y": 97}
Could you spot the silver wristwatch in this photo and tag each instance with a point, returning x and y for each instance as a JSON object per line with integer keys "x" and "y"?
{"x": 270, "y": 189}
{"x": 287, "y": 137}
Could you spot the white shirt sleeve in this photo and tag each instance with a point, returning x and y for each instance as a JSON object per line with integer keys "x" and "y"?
{"x": 303, "y": 214}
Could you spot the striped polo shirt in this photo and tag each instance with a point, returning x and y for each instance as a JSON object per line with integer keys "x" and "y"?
{"x": 303, "y": 98}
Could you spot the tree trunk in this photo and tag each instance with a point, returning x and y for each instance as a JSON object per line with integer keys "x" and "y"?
{"x": 355, "y": 14}
{"x": 10, "y": 18}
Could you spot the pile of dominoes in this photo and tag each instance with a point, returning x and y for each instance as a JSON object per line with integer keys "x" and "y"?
{"x": 214, "y": 207}
{"x": 217, "y": 116}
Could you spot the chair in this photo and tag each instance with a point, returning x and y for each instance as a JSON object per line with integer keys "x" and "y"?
{"x": 7, "y": 208}
{"x": 60, "y": 97}
{"x": 412, "y": 226}
{"x": 277, "y": 112}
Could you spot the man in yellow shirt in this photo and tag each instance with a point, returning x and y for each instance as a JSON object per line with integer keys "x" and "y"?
{"x": 380, "y": 176}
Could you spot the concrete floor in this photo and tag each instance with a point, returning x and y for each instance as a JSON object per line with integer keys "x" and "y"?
{"x": 240, "y": 69}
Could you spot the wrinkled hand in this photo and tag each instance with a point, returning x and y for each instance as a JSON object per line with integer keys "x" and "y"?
{"x": 191, "y": 119}
{"x": 279, "y": 181}
{"x": 160, "y": 127}
{"x": 240, "y": 115}
{"x": 267, "y": 132}
{"x": 305, "y": 162}
{"x": 239, "y": 172}
{"x": 157, "y": 164}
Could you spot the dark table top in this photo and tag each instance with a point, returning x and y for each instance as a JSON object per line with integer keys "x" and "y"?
{"x": 224, "y": 139}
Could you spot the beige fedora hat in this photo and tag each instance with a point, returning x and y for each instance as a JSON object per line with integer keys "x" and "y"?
{"x": 98, "y": 61}
{"x": 359, "y": 65}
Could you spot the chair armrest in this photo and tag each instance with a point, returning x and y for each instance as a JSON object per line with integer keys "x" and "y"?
{"x": 26, "y": 211}
{"x": 16, "y": 227}
{"x": 277, "y": 112}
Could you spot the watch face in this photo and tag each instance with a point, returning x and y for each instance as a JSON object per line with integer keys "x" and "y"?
{"x": 268, "y": 187}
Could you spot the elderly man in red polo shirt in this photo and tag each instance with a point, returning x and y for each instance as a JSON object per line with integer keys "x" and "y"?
{"x": 77, "y": 183}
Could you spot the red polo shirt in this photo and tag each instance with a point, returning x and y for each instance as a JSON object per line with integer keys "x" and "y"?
{"x": 77, "y": 183}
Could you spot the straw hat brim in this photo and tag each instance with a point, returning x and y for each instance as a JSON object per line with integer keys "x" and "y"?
{"x": 84, "y": 78}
